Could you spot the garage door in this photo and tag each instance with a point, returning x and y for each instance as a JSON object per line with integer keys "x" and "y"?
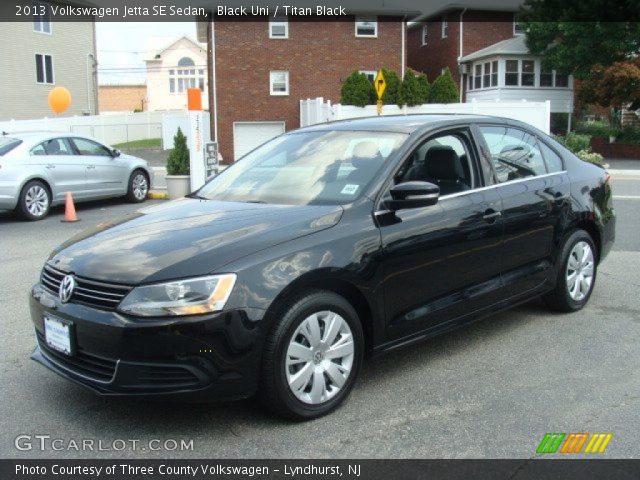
{"x": 249, "y": 135}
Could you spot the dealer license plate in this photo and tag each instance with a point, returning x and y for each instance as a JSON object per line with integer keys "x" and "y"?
{"x": 57, "y": 334}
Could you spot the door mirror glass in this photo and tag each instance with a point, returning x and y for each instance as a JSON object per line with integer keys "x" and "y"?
{"x": 414, "y": 194}
{"x": 116, "y": 153}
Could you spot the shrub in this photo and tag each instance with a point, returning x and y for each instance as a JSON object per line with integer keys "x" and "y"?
{"x": 443, "y": 89}
{"x": 410, "y": 93}
{"x": 424, "y": 88}
{"x": 597, "y": 129}
{"x": 629, "y": 135}
{"x": 390, "y": 96}
{"x": 357, "y": 90}
{"x": 591, "y": 157}
{"x": 178, "y": 160}
{"x": 575, "y": 142}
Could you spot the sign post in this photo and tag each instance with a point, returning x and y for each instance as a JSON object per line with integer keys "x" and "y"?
{"x": 196, "y": 138}
{"x": 380, "y": 85}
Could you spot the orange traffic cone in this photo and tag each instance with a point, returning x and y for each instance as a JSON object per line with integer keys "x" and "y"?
{"x": 69, "y": 209}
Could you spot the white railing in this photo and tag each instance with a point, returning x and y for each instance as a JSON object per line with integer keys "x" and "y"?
{"x": 538, "y": 114}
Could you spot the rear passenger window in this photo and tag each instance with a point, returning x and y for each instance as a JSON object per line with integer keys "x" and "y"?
{"x": 514, "y": 152}
{"x": 552, "y": 159}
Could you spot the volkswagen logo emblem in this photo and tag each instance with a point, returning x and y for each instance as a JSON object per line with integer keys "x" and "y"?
{"x": 67, "y": 286}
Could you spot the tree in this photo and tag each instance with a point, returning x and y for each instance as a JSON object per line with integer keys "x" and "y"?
{"x": 612, "y": 86}
{"x": 566, "y": 34}
{"x": 444, "y": 89}
{"x": 390, "y": 96}
{"x": 178, "y": 160}
{"x": 424, "y": 88}
{"x": 410, "y": 93}
{"x": 357, "y": 90}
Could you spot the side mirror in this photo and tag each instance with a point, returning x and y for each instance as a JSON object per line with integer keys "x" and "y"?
{"x": 115, "y": 153}
{"x": 413, "y": 194}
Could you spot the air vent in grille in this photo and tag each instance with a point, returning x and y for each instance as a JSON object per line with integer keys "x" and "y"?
{"x": 166, "y": 376}
{"x": 82, "y": 363}
{"x": 105, "y": 296}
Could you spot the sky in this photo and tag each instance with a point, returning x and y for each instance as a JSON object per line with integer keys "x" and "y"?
{"x": 121, "y": 48}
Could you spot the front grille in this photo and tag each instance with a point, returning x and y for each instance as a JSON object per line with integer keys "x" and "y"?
{"x": 83, "y": 363}
{"x": 101, "y": 295}
{"x": 166, "y": 377}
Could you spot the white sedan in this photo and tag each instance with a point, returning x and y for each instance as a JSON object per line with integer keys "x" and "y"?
{"x": 37, "y": 169}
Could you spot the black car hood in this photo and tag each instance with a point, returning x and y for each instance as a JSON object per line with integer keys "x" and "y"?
{"x": 185, "y": 238}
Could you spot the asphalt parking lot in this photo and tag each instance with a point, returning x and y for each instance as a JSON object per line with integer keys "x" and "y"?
{"x": 492, "y": 389}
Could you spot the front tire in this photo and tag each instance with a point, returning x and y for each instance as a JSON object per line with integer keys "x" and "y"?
{"x": 34, "y": 201}
{"x": 576, "y": 275}
{"x": 312, "y": 356}
{"x": 138, "y": 187}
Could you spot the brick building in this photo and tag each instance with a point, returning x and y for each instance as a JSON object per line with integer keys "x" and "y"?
{"x": 122, "y": 98}
{"x": 264, "y": 68}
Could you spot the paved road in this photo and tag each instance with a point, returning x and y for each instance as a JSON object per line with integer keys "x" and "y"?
{"x": 492, "y": 389}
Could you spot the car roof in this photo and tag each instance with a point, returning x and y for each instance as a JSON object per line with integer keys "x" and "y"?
{"x": 404, "y": 123}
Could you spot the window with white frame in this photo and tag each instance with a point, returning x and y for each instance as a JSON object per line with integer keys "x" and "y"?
{"x": 425, "y": 35}
{"x": 279, "y": 27}
{"x": 41, "y": 18}
{"x": 551, "y": 78}
{"x": 279, "y": 82}
{"x": 44, "y": 69}
{"x": 484, "y": 75}
{"x": 518, "y": 28}
{"x": 370, "y": 74}
{"x": 186, "y": 75}
{"x": 366, "y": 27}
{"x": 445, "y": 27}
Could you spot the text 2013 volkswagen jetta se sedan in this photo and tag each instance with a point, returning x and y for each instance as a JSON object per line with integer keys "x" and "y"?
{"x": 322, "y": 245}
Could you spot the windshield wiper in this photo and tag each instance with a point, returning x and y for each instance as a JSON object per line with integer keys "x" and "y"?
{"x": 195, "y": 195}
{"x": 254, "y": 201}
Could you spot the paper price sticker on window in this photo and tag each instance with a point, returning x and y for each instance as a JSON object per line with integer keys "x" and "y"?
{"x": 350, "y": 189}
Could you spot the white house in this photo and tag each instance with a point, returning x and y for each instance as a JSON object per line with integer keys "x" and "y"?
{"x": 173, "y": 66}
{"x": 507, "y": 71}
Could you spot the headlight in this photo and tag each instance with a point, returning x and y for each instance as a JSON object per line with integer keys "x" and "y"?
{"x": 191, "y": 296}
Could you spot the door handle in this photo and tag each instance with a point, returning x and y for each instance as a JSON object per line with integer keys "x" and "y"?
{"x": 51, "y": 165}
{"x": 90, "y": 167}
{"x": 490, "y": 215}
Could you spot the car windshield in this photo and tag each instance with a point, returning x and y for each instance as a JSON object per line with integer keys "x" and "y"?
{"x": 7, "y": 144}
{"x": 306, "y": 168}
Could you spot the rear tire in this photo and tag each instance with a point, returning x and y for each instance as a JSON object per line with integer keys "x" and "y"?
{"x": 312, "y": 356}
{"x": 34, "y": 201}
{"x": 576, "y": 274}
{"x": 138, "y": 187}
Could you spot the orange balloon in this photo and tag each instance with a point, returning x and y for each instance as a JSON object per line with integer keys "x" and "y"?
{"x": 59, "y": 99}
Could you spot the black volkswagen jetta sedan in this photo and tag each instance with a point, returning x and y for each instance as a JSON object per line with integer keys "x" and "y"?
{"x": 323, "y": 245}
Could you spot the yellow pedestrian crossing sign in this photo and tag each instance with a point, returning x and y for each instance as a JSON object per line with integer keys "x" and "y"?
{"x": 380, "y": 84}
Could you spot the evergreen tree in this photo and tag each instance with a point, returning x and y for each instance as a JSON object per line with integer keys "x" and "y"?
{"x": 443, "y": 89}
{"x": 357, "y": 90}
{"x": 390, "y": 96}
{"x": 410, "y": 89}
{"x": 423, "y": 83}
{"x": 178, "y": 160}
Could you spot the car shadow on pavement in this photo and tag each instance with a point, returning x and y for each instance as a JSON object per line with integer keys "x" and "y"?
{"x": 57, "y": 212}
{"x": 172, "y": 418}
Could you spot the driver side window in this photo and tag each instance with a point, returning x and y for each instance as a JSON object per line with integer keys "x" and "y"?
{"x": 514, "y": 152}
{"x": 444, "y": 161}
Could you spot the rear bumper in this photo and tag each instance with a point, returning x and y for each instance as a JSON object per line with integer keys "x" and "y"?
{"x": 204, "y": 358}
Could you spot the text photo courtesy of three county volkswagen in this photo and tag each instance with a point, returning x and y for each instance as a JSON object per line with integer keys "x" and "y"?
{"x": 266, "y": 233}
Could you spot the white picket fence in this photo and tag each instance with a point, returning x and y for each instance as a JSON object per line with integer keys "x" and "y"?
{"x": 538, "y": 114}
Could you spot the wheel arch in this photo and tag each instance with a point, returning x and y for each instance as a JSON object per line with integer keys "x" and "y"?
{"x": 333, "y": 282}
{"x": 594, "y": 232}
{"x": 39, "y": 178}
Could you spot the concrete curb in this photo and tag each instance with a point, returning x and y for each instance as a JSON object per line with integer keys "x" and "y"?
{"x": 157, "y": 195}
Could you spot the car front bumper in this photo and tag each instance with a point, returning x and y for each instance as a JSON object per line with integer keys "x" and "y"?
{"x": 203, "y": 358}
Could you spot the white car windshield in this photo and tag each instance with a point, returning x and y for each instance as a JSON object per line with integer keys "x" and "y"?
{"x": 306, "y": 168}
